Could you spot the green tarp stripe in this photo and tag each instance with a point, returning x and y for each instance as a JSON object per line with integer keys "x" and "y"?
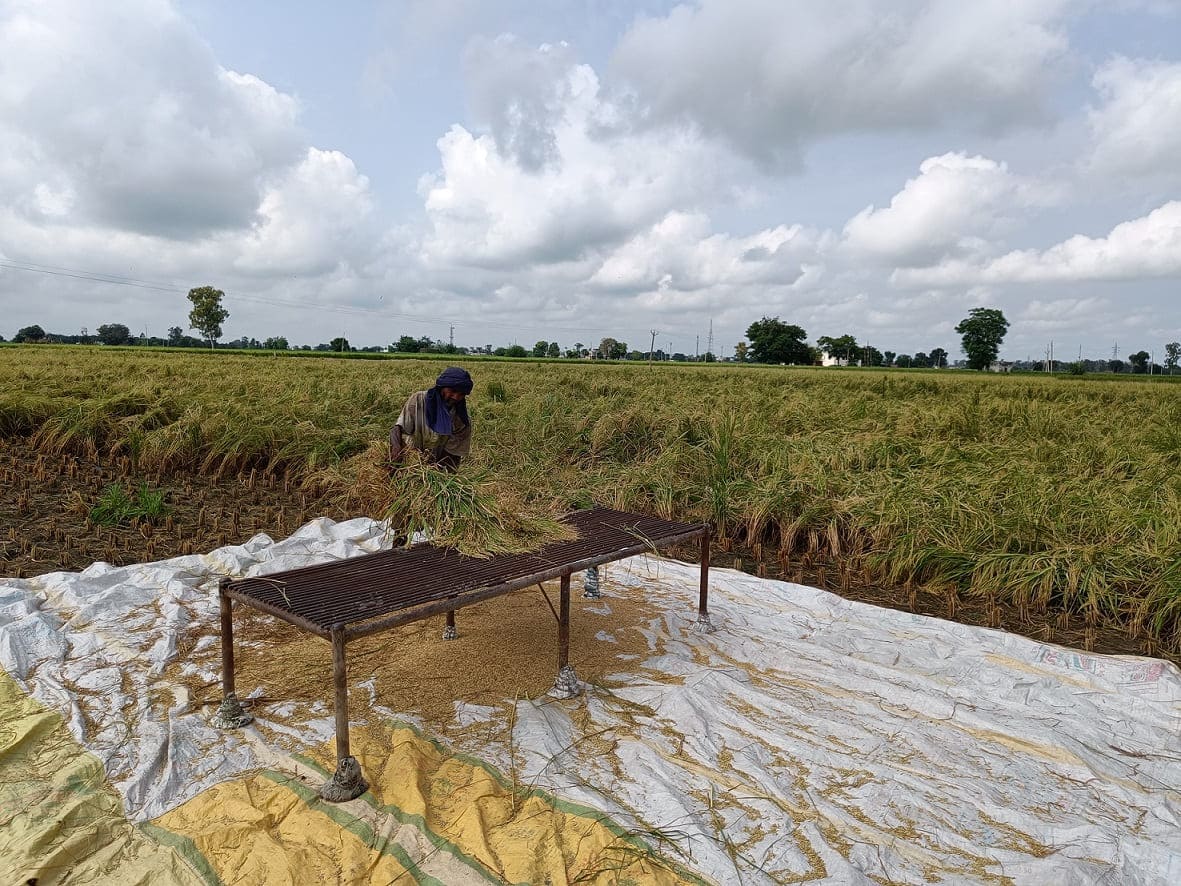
{"x": 569, "y": 807}
{"x": 565, "y": 806}
{"x": 403, "y": 817}
{"x": 186, "y": 849}
{"x": 355, "y": 826}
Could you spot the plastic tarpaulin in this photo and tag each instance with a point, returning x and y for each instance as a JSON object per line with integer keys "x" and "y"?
{"x": 811, "y": 739}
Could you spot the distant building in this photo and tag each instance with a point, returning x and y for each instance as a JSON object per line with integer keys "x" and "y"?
{"x": 1000, "y": 366}
{"x": 827, "y": 359}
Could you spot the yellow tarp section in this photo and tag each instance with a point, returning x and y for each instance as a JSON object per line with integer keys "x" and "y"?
{"x": 522, "y": 836}
{"x": 270, "y": 828}
{"x": 59, "y": 820}
{"x": 430, "y": 817}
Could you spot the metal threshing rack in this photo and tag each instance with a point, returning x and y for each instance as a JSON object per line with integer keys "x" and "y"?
{"x": 358, "y": 596}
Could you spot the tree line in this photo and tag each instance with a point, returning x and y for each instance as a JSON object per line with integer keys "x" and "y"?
{"x": 982, "y": 332}
{"x": 770, "y": 341}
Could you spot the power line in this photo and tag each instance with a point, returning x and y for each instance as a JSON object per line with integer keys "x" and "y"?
{"x": 84, "y": 275}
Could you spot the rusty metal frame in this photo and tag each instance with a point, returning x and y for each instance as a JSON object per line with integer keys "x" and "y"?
{"x": 347, "y": 783}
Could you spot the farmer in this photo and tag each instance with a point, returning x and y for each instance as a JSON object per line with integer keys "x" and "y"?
{"x": 435, "y": 422}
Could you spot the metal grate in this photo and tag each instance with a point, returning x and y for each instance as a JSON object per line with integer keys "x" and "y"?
{"x": 376, "y": 586}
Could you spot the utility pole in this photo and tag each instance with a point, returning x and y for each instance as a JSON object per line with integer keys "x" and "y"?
{"x": 696, "y": 347}
{"x": 651, "y": 347}
{"x": 709, "y": 348}
{"x": 451, "y": 338}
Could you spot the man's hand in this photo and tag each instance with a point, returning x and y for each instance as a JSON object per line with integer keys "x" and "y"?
{"x": 397, "y": 450}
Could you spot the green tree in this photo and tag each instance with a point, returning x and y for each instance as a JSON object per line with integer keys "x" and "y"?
{"x": 903, "y": 361}
{"x": 611, "y": 349}
{"x": 176, "y": 336}
{"x": 114, "y": 334}
{"x": 773, "y": 341}
{"x": 888, "y": 358}
{"x": 540, "y": 348}
{"x": 939, "y": 358}
{"x": 1139, "y": 361}
{"x": 207, "y": 314}
{"x": 983, "y": 330}
{"x": 407, "y": 344}
{"x": 553, "y": 350}
{"x": 29, "y": 334}
{"x": 340, "y": 344}
{"x": 516, "y": 351}
{"x": 1172, "y": 355}
{"x": 741, "y": 352}
{"x": 276, "y": 343}
{"x": 845, "y": 347}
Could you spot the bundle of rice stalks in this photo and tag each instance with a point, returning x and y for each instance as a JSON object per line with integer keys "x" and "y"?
{"x": 467, "y": 511}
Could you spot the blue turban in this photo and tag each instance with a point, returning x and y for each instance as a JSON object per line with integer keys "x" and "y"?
{"x": 438, "y": 416}
{"x": 455, "y": 378}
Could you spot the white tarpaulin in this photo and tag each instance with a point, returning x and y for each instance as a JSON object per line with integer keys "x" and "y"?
{"x": 811, "y": 739}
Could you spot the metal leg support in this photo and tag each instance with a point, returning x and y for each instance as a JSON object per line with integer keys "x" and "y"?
{"x": 567, "y": 685}
{"x": 347, "y": 782}
{"x": 703, "y": 624}
{"x": 449, "y": 631}
{"x": 590, "y": 583}
{"x": 231, "y": 714}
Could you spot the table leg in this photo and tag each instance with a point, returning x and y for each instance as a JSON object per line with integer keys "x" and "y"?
{"x": 230, "y": 714}
{"x": 703, "y": 624}
{"x": 590, "y": 583}
{"x": 567, "y": 685}
{"x": 450, "y": 632}
{"x": 347, "y": 782}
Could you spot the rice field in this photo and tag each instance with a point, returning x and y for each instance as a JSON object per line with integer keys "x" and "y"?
{"x": 1058, "y": 497}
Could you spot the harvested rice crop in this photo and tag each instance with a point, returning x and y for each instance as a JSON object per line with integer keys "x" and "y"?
{"x": 1043, "y": 495}
{"x": 467, "y": 511}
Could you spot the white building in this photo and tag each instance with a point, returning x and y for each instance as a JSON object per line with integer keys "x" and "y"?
{"x": 827, "y": 359}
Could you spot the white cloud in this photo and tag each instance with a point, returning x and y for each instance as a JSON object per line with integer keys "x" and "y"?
{"x": 120, "y": 112}
{"x": 521, "y": 96}
{"x": 125, "y": 148}
{"x": 556, "y": 184}
{"x": 769, "y": 77}
{"x": 574, "y": 204}
{"x": 1145, "y": 247}
{"x": 1137, "y": 126}
{"x": 1059, "y": 315}
{"x": 680, "y": 254}
{"x": 309, "y": 221}
{"x": 955, "y": 204}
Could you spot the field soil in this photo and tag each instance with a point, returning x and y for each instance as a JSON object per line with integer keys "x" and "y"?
{"x": 44, "y": 527}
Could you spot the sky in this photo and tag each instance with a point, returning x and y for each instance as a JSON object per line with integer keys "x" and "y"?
{"x": 507, "y": 172}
